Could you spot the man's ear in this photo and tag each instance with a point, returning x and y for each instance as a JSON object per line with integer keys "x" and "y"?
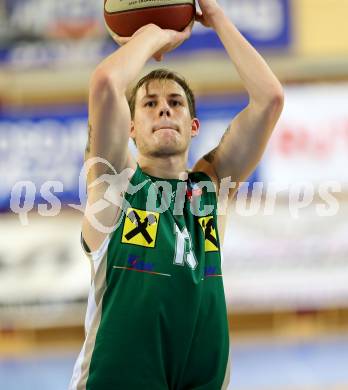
{"x": 195, "y": 127}
{"x": 132, "y": 130}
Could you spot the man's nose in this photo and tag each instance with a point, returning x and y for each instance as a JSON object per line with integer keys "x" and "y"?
{"x": 165, "y": 112}
{"x": 164, "y": 109}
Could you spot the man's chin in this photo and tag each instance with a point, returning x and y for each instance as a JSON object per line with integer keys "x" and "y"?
{"x": 166, "y": 149}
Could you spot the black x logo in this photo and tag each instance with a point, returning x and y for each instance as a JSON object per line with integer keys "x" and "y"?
{"x": 149, "y": 220}
{"x": 208, "y": 228}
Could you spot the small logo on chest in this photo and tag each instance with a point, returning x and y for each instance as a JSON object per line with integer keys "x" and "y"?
{"x": 136, "y": 263}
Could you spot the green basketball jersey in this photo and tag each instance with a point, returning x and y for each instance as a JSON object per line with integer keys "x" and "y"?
{"x": 156, "y": 316}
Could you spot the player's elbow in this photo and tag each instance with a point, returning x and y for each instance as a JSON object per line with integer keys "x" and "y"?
{"x": 276, "y": 99}
{"x": 102, "y": 86}
{"x": 274, "y": 103}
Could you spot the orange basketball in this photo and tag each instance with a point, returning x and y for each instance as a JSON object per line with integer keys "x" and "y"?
{"x": 124, "y": 17}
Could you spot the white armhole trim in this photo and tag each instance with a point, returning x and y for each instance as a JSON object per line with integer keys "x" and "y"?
{"x": 99, "y": 253}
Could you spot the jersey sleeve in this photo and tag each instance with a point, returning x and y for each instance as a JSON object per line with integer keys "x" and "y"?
{"x": 98, "y": 254}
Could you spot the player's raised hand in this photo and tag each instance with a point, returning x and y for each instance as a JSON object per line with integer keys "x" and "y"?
{"x": 123, "y": 40}
{"x": 210, "y": 11}
{"x": 173, "y": 38}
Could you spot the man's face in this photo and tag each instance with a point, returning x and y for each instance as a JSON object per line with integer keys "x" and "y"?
{"x": 162, "y": 124}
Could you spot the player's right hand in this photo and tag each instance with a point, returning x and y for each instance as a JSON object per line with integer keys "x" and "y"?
{"x": 123, "y": 40}
{"x": 175, "y": 39}
{"x": 172, "y": 38}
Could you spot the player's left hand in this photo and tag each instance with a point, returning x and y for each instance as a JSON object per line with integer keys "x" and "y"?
{"x": 210, "y": 11}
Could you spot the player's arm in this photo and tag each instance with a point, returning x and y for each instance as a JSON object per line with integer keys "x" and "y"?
{"x": 110, "y": 118}
{"x": 109, "y": 114}
{"x": 244, "y": 142}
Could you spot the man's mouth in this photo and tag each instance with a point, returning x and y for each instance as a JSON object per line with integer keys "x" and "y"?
{"x": 165, "y": 127}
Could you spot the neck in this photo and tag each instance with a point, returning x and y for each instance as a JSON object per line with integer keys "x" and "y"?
{"x": 170, "y": 167}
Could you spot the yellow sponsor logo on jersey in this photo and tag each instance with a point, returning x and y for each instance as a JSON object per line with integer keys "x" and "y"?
{"x": 140, "y": 228}
{"x": 209, "y": 230}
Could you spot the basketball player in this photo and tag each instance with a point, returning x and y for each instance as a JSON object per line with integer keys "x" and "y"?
{"x": 156, "y": 316}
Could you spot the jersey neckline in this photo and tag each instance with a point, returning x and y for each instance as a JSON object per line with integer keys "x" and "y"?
{"x": 155, "y": 178}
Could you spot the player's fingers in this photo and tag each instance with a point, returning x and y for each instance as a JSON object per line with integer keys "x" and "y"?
{"x": 185, "y": 34}
{"x": 123, "y": 40}
{"x": 199, "y": 14}
{"x": 201, "y": 19}
{"x": 158, "y": 57}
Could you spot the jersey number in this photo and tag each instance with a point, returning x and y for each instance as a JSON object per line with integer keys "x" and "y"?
{"x": 183, "y": 248}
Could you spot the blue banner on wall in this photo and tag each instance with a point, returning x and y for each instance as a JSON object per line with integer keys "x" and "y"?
{"x": 36, "y": 42}
{"x": 38, "y": 147}
{"x": 265, "y": 23}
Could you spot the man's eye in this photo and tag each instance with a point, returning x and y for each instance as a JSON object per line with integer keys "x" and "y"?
{"x": 150, "y": 104}
{"x": 175, "y": 103}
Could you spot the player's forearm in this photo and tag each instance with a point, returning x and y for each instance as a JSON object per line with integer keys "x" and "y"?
{"x": 124, "y": 65}
{"x": 258, "y": 79}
